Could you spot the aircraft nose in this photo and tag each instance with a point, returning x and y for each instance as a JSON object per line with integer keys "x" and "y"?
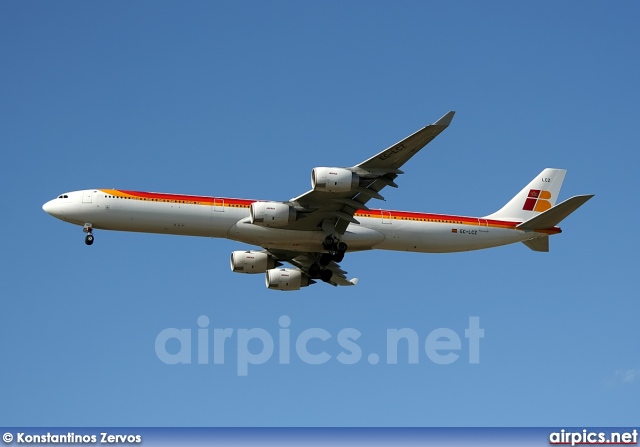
{"x": 52, "y": 208}
{"x": 47, "y": 207}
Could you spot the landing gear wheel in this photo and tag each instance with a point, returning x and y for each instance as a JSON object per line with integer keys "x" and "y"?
{"x": 325, "y": 259}
{"x": 328, "y": 242}
{"x": 338, "y": 257}
{"x": 326, "y": 275}
{"x": 314, "y": 270}
{"x": 342, "y": 247}
{"x": 88, "y": 239}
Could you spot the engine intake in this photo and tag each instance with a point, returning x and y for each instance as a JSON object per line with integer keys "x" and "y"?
{"x": 286, "y": 279}
{"x": 272, "y": 214}
{"x": 252, "y": 262}
{"x": 333, "y": 180}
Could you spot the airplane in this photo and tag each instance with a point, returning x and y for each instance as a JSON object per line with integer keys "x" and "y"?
{"x": 313, "y": 231}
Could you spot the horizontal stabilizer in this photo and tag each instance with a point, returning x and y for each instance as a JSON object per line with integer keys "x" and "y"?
{"x": 538, "y": 244}
{"x": 553, "y": 216}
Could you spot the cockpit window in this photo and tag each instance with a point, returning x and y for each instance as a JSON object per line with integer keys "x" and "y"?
{"x": 65, "y": 196}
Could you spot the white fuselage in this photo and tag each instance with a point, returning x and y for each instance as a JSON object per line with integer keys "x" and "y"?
{"x": 229, "y": 218}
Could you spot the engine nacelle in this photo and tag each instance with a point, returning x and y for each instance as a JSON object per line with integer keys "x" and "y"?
{"x": 333, "y": 180}
{"x": 272, "y": 214}
{"x": 286, "y": 279}
{"x": 251, "y": 262}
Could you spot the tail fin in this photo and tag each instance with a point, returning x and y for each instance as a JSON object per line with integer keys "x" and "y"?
{"x": 538, "y": 196}
{"x": 548, "y": 219}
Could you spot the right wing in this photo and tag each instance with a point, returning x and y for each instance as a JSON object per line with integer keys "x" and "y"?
{"x": 336, "y": 209}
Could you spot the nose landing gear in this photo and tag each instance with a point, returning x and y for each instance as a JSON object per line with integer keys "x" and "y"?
{"x": 88, "y": 239}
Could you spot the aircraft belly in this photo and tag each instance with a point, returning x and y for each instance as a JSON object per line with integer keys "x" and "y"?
{"x": 360, "y": 237}
{"x": 153, "y": 217}
{"x": 356, "y": 237}
{"x": 276, "y": 238}
{"x": 429, "y": 237}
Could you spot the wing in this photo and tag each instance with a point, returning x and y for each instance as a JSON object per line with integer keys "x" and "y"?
{"x": 304, "y": 260}
{"x": 335, "y": 210}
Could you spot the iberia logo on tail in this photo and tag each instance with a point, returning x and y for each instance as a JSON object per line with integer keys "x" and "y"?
{"x": 537, "y": 201}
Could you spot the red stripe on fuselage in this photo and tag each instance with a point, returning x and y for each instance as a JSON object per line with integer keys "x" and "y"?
{"x": 187, "y": 198}
{"x": 376, "y": 214}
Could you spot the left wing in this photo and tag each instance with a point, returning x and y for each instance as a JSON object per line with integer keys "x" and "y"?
{"x": 303, "y": 261}
{"x": 332, "y": 208}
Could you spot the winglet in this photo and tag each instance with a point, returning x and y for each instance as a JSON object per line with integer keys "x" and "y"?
{"x": 446, "y": 119}
{"x": 339, "y": 280}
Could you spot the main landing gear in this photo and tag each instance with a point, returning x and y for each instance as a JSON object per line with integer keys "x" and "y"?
{"x": 88, "y": 239}
{"x": 336, "y": 250}
{"x": 336, "y": 253}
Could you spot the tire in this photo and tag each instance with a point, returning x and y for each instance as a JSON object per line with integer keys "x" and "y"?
{"x": 326, "y": 275}
{"x": 342, "y": 247}
{"x": 338, "y": 257}
{"x": 325, "y": 259}
{"x": 88, "y": 239}
{"x": 314, "y": 270}
{"x": 328, "y": 242}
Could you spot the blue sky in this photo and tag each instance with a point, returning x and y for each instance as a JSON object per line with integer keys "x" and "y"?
{"x": 243, "y": 99}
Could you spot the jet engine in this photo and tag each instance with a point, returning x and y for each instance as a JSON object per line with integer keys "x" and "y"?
{"x": 252, "y": 262}
{"x": 333, "y": 180}
{"x": 272, "y": 214}
{"x": 287, "y": 279}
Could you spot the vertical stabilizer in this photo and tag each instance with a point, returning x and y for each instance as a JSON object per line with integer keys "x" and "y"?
{"x": 538, "y": 244}
{"x": 538, "y": 196}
